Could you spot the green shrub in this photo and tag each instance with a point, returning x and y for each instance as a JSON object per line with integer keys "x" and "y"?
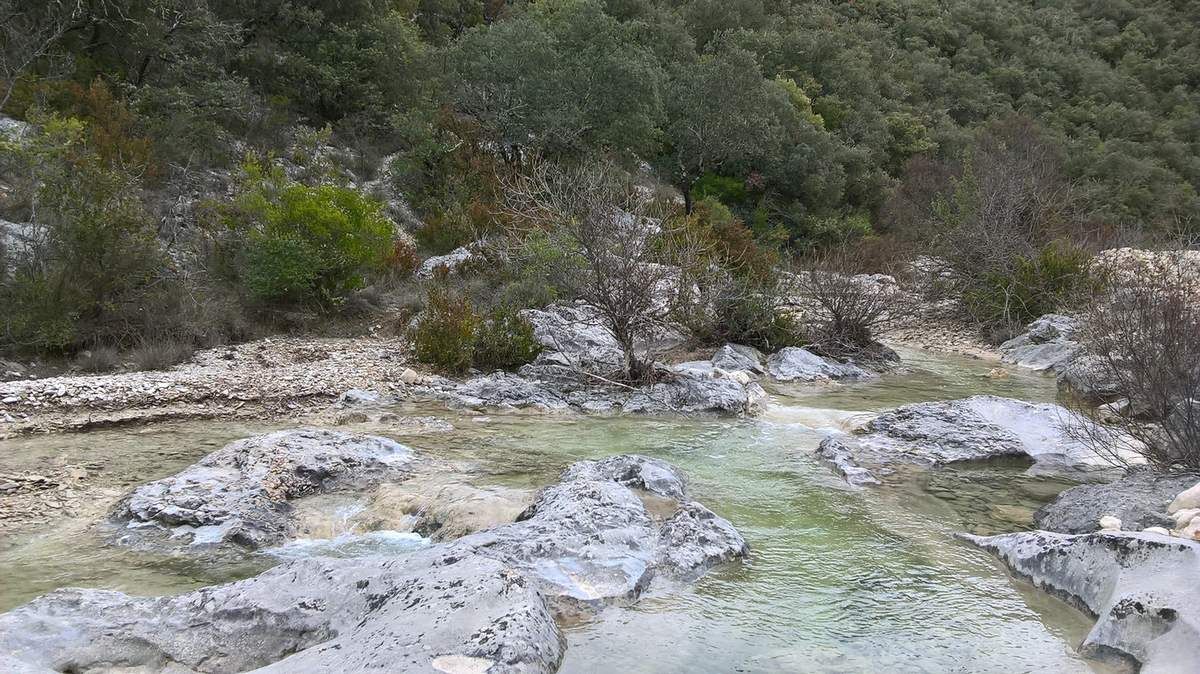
{"x": 724, "y": 189}
{"x": 752, "y": 315}
{"x": 505, "y": 341}
{"x": 94, "y": 273}
{"x": 1031, "y": 287}
{"x": 446, "y": 330}
{"x": 305, "y": 245}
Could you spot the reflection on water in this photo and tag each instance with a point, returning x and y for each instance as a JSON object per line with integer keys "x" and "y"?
{"x": 839, "y": 580}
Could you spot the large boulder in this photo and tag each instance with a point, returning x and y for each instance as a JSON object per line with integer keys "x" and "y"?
{"x": 574, "y": 339}
{"x": 1140, "y": 500}
{"x": 1089, "y": 378}
{"x": 435, "y": 610}
{"x": 239, "y": 494}
{"x": 1047, "y": 344}
{"x": 971, "y": 429}
{"x": 1142, "y": 588}
{"x": 590, "y": 538}
{"x": 734, "y": 357}
{"x": 796, "y": 364}
{"x": 648, "y": 474}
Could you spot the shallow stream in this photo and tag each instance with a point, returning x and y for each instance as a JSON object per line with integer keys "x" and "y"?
{"x": 839, "y": 580}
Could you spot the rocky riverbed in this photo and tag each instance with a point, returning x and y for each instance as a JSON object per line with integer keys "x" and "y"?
{"x": 598, "y": 528}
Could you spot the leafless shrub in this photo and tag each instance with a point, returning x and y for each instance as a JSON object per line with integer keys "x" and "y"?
{"x": 1141, "y": 338}
{"x": 846, "y": 311}
{"x": 608, "y": 231}
{"x": 1006, "y": 224}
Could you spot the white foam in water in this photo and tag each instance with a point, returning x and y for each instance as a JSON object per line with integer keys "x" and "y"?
{"x": 351, "y": 545}
{"x": 817, "y": 418}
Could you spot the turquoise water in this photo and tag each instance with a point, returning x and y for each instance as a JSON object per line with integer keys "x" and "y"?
{"x": 839, "y": 580}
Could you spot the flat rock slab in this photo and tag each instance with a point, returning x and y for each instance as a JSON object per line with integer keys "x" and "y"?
{"x": 239, "y": 494}
{"x": 1139, "y": 500}
{"x": 422, "y": 612}
{"x": 1142, "y": 588}
{"x": 683, "y": 393}
{"x": 971, "y": 429}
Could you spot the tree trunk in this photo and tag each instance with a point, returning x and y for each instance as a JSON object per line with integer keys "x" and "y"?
{"x": 686, "y": 188}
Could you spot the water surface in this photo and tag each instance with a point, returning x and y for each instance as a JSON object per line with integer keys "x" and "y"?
{"x": 839, "y": 580}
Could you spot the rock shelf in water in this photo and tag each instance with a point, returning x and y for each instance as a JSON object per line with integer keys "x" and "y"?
{"x": 1141, "y": 587}
{"x": 971, "y": 429}
{"x": 239, "y": 494}
{"x": 482, "y": 602}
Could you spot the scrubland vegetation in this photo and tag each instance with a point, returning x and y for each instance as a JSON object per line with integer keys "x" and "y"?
{"x": 191, "y": 173}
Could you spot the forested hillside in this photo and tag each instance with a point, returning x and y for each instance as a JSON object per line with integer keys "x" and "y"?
{"x": 813, "y": 123}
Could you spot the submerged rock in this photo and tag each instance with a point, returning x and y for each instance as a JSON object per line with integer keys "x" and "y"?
{"x": 1047, "y": 344}
{"x": 239, "y": 494}
{"x": 442, "y": 510}
{"x": 407, "y": 613}
{"x": 1141, "y": 586}
{"x": 837, "y": 454}
{"x": 1139, "y": 500}
{"x": 796, "y": 364}
{"x": 971, "y": 429}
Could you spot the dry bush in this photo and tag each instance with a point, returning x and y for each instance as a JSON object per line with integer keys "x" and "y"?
{"x": 729, "y": 288}
{"x": 608, "y": 231}
{"x": 160, "y": 355}
{"x": 1141, "y": 339}
{"x": 1008, "y": 225}
{"x": 847, "y": 310}
{"x": 98, "y": 360}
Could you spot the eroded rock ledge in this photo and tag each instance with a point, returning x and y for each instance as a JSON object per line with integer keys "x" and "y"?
{"x": 434, "y": 610}
{"x": 971, "y": 429}
{"x": 1142, "y": 588}
{"x": 483, "y": 602}
{"x": 239, "y": 494}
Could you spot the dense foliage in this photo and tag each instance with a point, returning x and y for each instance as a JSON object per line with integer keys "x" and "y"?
{"x": 295, "y": 244}
{"x": 811, "y": 122}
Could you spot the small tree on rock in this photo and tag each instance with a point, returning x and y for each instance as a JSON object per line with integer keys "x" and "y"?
{"x": 610, "y": 233}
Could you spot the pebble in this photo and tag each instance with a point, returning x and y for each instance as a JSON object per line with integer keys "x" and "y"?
{"x": 1110, "y": 523}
